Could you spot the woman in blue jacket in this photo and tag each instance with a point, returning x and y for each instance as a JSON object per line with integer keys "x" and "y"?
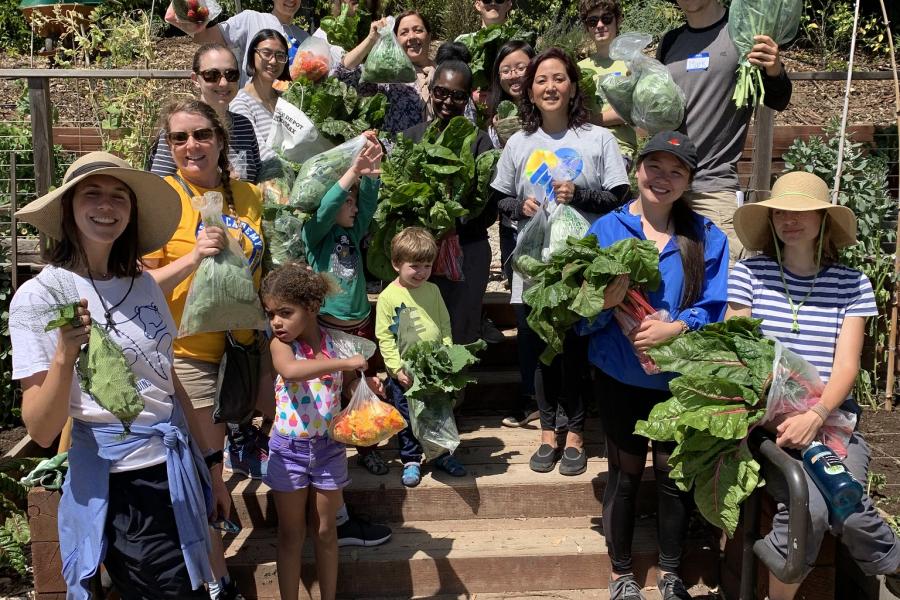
{"x": 693, "y": 263}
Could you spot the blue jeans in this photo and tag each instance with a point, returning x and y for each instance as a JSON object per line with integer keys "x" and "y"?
{"x": 410, "y": 448}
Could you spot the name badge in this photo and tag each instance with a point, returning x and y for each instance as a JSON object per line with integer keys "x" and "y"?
{"x": 698, "y": 62}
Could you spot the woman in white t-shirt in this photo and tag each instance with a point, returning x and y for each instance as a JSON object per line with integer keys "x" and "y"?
{"x": 137, "y": 495}
{"x": 817, "y": 308}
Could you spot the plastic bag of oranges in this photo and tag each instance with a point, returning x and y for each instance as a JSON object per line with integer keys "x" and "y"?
{"x": 367, "y": 420}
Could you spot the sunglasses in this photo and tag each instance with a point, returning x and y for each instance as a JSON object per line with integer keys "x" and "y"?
{"x": 606, "y": 19}
{"x": 179, "y": 138}
{"x": 456, "y": 96}
{"x": 493, "y": 2}
{"x": 277, "y": 55}
{"x": 226, "y": 526}
{"x": 215, "y": 75}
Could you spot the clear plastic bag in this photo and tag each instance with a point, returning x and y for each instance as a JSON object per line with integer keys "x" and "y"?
{"x": 629, "y": 325}
{"x": 449, "y": 259}
{"x": 284, "y": 236}
{"x": 192, "y": 16}
{"x": 387, "y": 61}
{"x": 796, "y": 387}
{"x": 312, "y": 60}
{"x": 276, "y": 177}
{"x": 434, "y": 425}
{"x": 563, "y": 222}
{"x": 532, "y": 239}
{"x": 347, "y": 345}
{"x": 318, "y": 174}
{"x": 619, "y": 89}
{"x": 367, "y": 420}
{"x": 222, "y": 296}
{"x": 658, "y": 102}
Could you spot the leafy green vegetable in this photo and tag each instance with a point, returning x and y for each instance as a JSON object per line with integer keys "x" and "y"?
{"x": 436, "y": 369}
{"x": 341, "y": 29}
{"x": 104, "y": 371}
{"x": 619, "y": 93}
{"x": 484, "y": 46}
{"x": 570, "y": 286}
{"x": 336, "y": 109}
{"x": 387, "y": 61}
{"x": 429, "y": 184}
{"x": 587, "y": 82}
{"x": 319, "y": 173}
{"x": 507, "y": 109}
{"x": 658, "y": 102}
{"x": 282, "y": 228}
{"x": 726, "y": 369}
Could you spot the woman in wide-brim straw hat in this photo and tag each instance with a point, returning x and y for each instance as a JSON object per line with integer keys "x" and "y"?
{"x": 817, "y": 308}
{"x": 138, "y": 499}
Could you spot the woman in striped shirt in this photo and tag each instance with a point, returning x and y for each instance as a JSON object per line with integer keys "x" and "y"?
{"x": 817, "y": 308}
{"x": 216, "y": 73}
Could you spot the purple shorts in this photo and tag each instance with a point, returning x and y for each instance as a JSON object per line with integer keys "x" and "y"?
{"x": 297, "y": 463}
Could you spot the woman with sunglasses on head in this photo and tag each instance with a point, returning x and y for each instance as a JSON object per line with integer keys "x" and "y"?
{"x": 817, "y": 308}
{"x": 216, "y": 73}
{"x": 267, "y": 62}
{"x": 601, "y": 19}
{"x": 407, "y": 102}
{"x": 198, "y": 139}
{"x": 450, "y": 89}
{"x": 562, "y": 158}
{"x": 134, "y": 499}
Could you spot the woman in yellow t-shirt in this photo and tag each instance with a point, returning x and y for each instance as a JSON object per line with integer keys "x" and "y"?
{"x": 198, "y": 141}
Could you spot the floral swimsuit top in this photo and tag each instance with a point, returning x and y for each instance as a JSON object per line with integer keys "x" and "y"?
{"x": 304, "y": 409}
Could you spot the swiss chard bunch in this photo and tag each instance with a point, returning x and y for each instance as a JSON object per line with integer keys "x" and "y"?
{"x": 342, "y": 29}
{"x": 336, "y": 109}
{"x": 436, "y": 369}
{"x": 484, "y": 46}
{"x": 570, "y": 285}
{"x": 725, "y": 374}
{"x": 429, "y": 184}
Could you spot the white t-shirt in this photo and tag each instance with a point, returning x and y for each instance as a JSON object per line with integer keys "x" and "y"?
{"x": 144, "y": 331}
{"x": 238, "y": 32}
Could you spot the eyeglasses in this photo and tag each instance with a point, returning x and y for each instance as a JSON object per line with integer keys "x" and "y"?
{"x": 517, "y": 70}
{"x": 215, "y": 75}
{"x": 606, "y": 19}
{"x": 456, "y": 96}
{"x": 179, "y": 138}
{"x": 277, "y": 55}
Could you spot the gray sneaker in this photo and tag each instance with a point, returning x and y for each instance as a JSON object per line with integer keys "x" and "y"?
{"x": 625, "y": 588}
{"x": 671, "y": 587}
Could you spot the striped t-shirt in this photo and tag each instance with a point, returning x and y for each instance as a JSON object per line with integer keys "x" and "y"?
{"x": 243, "y": 151}
{"x": 838, "y": 292}
{"x": 250, "y": 107}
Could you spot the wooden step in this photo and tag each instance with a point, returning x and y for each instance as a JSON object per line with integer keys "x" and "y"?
{"x": 499, "y": 484}
{"x": 428, "y": 558}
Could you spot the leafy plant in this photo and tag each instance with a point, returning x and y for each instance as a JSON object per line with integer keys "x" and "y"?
{"x": 337, "y": 111}
{"x": 655, "y": 17}
{"x": 484, "y": 46}
{"x": 342, "y": 29}
{"x": 15, "y": 34}
{"x": 14, "y": 532}
{"x": 436, "y": 369}
{"x": 864, "y": 189}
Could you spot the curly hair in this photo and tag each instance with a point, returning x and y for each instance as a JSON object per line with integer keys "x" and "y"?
{"x": 295, "y": 283}
{"x": 529, "y": 112}
{"x": 586, "y": 7}
{"x": 198, "y": 107}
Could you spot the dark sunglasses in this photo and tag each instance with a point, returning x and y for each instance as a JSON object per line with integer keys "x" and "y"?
{"x": 456, "y": 96}
{"x": 226, "y": 526}
{"x": 606, "y": 19}
{"x": 179, "y": 138}
{"x": 493, "y": 2}
{"x": 215, "y": 75}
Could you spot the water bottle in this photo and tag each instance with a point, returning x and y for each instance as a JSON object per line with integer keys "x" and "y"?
{"x": 841, "y": 491}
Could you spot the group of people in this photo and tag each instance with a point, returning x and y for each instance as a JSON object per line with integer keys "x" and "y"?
{"x": 149, "y": 505}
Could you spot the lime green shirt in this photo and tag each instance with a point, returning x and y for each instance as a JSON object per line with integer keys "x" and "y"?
{"x": 624, "y": 134}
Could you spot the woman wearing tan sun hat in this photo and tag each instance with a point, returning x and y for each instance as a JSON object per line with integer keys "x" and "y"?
{"x": 817, "y": 308}
{"x": 135, "y": 499}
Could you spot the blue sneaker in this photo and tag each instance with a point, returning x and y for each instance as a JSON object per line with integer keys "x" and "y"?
{"x": 249, "y": 460}
{"x": 412, "y": 475}
{"x": 449, "y": 464}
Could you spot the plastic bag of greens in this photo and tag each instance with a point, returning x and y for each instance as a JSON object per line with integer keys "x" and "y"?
{"x": 312, "y": 60}
{"x": 434, "y": 425}
{"x": 222, "y": 296}
{"x": 778, "y": 19}
{"x": 367, "y": 420}
{"x": 318, "y": 174}
{"x": 618, "y": 89}
{"x": 282, "y": 229}
{"x": 658, "y": 101}
{"x": 532, "y": 239}
{"x": 387, "y": 62}
{"x": 276, "y": 177}
{"x": 563, "y": 222}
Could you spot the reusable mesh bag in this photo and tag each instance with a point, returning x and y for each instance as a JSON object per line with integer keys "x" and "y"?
{"x": 387, "y": 62}
{"x": 318, "y": 174}
{"x": 222, "y": 295}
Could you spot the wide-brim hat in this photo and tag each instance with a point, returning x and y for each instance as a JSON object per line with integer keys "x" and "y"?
{"x": 158, "y": 205}
{"x": 796, "y": 191}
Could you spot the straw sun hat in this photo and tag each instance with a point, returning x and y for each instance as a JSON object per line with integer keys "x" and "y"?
{"x": 796, "y": 191}
{"x": 158, "y": 204}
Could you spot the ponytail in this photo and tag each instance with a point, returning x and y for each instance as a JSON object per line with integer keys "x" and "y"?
{"x": 691, "y": 247}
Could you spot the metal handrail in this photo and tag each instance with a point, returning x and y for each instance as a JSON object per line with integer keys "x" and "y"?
{"x": 791, "y": 568}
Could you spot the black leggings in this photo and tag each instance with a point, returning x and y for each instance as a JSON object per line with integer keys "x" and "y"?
{"x": 621, "y": 406}
{"x": 566, "y": 383}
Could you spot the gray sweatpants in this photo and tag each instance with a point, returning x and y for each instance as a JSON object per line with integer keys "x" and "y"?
{"x": 870, "y": 541}
{"x": 464, "y": 298}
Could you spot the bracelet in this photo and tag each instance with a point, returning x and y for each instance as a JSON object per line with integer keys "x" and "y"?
{"x": 213, "y": 459}
{"x": 821, "y": 411}
{"x": 684, "y": 326}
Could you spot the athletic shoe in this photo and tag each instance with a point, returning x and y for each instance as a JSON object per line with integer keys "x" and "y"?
{"x": 625, "y": 588}
{"x": 249, "y": 460}
{"x": 520, "y": 418}
{"x": 671, "y": 587}
{"x": 412, "y": 475}
{"x": 357, "y": 532}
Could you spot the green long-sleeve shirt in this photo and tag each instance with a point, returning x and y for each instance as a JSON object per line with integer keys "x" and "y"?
{"x": 335, "y": 250}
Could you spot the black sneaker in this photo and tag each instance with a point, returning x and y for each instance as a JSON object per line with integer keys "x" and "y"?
{"x": 545, "y": 458}
{"x": 671, "y": 587}
{"x": 357, "y": 532}
{"x": 625, "y": 588}
{"x": 573, "y": 462}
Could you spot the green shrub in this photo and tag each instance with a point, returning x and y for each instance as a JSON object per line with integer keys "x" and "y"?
{"x": 15, "y": 34}
{"x": 651, "y": 16}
